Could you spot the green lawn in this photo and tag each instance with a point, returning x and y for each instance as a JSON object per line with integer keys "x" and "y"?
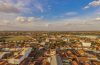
{"x": 17, "y": 38}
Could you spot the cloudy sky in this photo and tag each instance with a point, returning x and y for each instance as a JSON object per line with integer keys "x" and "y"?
{"x": 50, "y": 15}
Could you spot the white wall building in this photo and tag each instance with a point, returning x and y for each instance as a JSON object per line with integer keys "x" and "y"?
{"x": 24, "y": 54}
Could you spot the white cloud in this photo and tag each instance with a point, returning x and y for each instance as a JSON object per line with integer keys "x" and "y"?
{"x": 38, "y": 5}
{"x": 33, "y": 23}
{"x": 94, "y": 3}
{"x": 71, "y": 13}
{"x": 14, "y": 6}
{"x": 8, "y": 8}
{"x": 4, "y": 22}
{"x": 27, "y": 19}
{"x": 86, "y": 7}
{"x": 97, "y": 19}
{"x": 20, "y": 19}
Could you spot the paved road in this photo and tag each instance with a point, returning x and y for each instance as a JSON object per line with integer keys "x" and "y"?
{"x": 59, "y": 61}
{"x": 53, "y": 60}
{"x": 56, "y": 60}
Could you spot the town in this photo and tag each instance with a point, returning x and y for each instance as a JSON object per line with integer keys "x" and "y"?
{"x": 49, "y": 48}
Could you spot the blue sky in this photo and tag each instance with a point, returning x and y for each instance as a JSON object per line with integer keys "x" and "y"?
{"x": 42, "y": 14}
{"x": 57, "y": 8}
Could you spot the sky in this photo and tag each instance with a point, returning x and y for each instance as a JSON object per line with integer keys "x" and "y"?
{"x": 50, "y": 15}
